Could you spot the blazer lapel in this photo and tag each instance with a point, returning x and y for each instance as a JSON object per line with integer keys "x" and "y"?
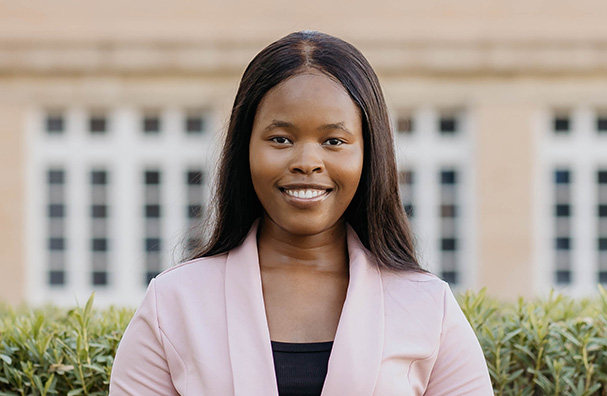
{"x": 358, "y": 347}
{"x": 248, "y": 333}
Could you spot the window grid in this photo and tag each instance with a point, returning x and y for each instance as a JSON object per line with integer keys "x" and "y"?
{"x": 195, "y": 209}
{"x": 152, "y": 223}
{"x": 151, "y": 123}
{"x": 83, "y": 224}
{"x": 195, "y": 122}
{"x": 99, "y": 233}
{"x": 448, "y": 124}
{"x": 98, "y": 124}
{"x": 601, "y": 181}
{"x": 56, "y": 223}
{"x": 561, "y": 123}
{"x": 449, "y": 248}
{"x": 601, "y": 122}
{"x": 562, "y": 219}
{"x": 406, "y": 185}
{"x": 54, "y": 123}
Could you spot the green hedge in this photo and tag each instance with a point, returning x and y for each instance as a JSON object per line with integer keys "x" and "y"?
{"x": 555, "y": 346}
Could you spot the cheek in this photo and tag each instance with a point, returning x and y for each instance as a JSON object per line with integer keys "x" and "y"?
{"x": 263, "y": 170}
{"x": 349, "y": 176}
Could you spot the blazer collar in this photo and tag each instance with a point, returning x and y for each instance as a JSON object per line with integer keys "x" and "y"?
{"x": 358, "y": 346}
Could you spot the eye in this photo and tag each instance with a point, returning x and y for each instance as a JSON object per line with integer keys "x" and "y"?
{"x": 280, "y": 140}
{"x": 334, "y": 142}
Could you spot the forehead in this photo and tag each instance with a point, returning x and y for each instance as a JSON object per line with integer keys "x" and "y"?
{"x": 309, "y": 93}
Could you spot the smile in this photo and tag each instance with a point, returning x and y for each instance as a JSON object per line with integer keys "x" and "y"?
{"x": 305, "y": 193}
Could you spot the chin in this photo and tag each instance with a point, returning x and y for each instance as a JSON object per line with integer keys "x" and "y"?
{"x": 305, "y": 227}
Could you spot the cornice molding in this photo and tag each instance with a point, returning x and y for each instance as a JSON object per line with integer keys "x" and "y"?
{"x": 202, "y": 58}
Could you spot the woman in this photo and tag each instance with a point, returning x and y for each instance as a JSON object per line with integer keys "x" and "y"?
{"x": 309, "y": 282}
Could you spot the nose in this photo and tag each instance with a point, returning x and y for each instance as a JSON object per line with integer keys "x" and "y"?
{"x": 307, "y": 159}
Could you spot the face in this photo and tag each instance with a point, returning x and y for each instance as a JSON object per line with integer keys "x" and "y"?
{"x": 306, "y": 153}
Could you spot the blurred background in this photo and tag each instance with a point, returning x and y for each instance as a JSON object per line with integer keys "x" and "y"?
{"x": 111, "y": 113}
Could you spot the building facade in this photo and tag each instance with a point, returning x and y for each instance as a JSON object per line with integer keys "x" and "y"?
{"x": 111, "y": 119}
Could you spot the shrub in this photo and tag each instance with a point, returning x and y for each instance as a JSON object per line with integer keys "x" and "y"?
{"x": 53, "y": 352}
{"x": 555, "y": 346}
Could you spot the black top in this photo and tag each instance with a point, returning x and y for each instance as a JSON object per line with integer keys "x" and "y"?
{"x": 301, "y": 368}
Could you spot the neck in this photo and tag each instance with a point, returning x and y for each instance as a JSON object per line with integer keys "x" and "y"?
{"x": 279, "y": 249}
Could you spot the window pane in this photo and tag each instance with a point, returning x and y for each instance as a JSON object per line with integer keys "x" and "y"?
{"x": 563, "y": 277}
{"x": 151, "y": 124}
{"x": 195, "y": 124}
{"x": 56, "y": 177}
{"x": 195, "y": 178}
{"x": 561, "y": 124}
{"x": 99, "y": 245}
{"x": 448, "y": 177}
{"x": 152, "y": 177}
{"x": 98, "y": 177}
{"x": 448, "y": 125}
{"x": 99, "y": 278}
{"x": 152, "y": 211}
{"x": 56, "y": 244}
{"x": 55, "y": 124}
{"x": 56, "y": 278}
{"x": 98, "y": 124}
{"x": 562, "y": 177}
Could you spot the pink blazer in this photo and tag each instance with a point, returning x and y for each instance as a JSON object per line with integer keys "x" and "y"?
{"x": 202, "y": 330}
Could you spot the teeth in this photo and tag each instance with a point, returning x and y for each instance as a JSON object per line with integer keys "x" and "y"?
{"x": 305, "y": 193}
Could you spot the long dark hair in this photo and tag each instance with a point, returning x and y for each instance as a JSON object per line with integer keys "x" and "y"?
{"x": 376, "y": 212}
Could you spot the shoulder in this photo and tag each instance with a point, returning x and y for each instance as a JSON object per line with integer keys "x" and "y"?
{"x": 205, "y": 272}
{"x": 419, "y": 287}
{"x": 418, "y": 302}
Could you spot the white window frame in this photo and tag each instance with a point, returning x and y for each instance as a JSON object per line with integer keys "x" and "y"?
{"x": 427, "y": 152}
{"x": 583, "y": 152}
{"x": 124, "y": 151}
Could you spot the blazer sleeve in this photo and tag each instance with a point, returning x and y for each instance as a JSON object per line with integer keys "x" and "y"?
{"x": 140, "y": 366}
{"x": 460, "y": 367}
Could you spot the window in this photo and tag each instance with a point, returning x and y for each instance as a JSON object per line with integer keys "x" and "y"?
{"x": 151, "y": 123}
{"x": 574, "y": 206}
{"x": 152, "y": 223}
{"x": 55, "y": 124}
{"x": 405, "y": 181}
{"x": 433, "y": 167}
{"x": 56, "y": 240}
{"x": 561, "y": 123}
{"x": 99, "y": 225}
{"x": 601, "y": 122}
{"x": 449, "y": 225}
{"x": 448, "y": 124}
{"x": 194, "y": 180}
{"x": 84, "y": 238}
{"x": 195, "y": 122}
{"x": 152, "y": 211}
{"x": 98, "y": 124}
{"x": 601, "y": 182}
{"x": 563, "y": 226}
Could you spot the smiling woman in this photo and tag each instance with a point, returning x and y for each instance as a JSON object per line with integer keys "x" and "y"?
{"x": 306, "y": 154}
{"x": 309, "y": 283}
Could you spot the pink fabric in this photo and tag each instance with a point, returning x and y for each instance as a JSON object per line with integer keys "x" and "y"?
{"x": 202, "y": 330}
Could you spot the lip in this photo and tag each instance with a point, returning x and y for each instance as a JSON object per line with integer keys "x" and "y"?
{"x": 304, "y": 203}
{"x": 304, "y": 186}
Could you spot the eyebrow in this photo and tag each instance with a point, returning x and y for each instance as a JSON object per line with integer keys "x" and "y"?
{"x": 285, "y": 124}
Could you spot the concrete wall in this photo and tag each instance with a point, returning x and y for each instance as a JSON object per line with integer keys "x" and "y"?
{"x": 12, "y": 209}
